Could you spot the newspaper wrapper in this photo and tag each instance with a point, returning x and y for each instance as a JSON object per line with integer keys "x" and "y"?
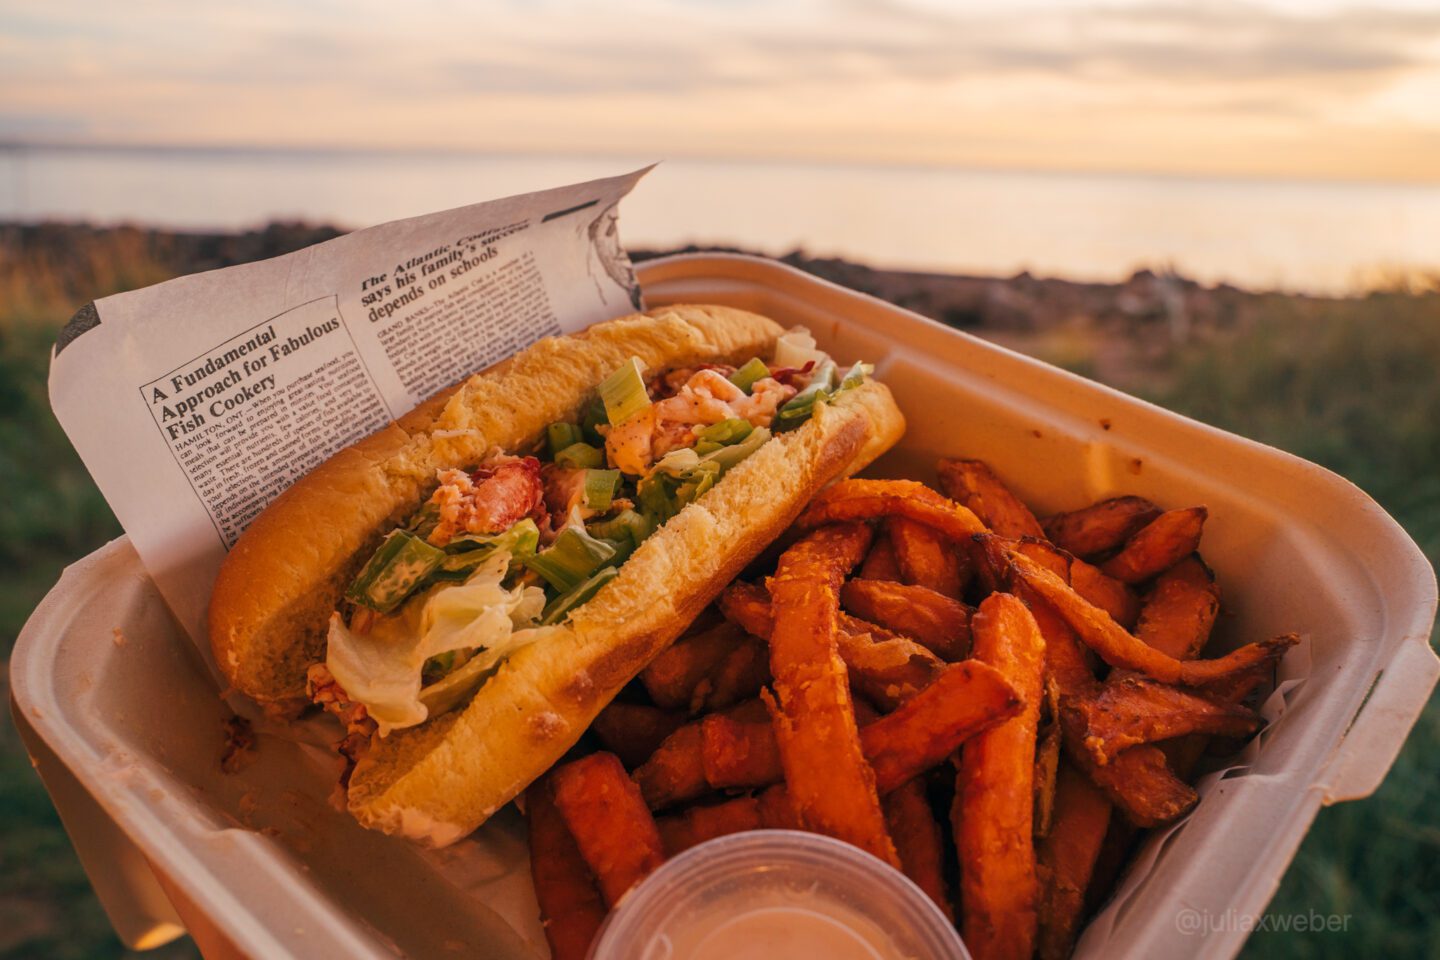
{"x": 195, "y": 402}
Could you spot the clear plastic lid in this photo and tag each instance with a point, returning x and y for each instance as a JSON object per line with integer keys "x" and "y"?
{"x": 776, "y": 893}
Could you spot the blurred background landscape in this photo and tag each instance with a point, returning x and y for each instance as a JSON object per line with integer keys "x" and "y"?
{"x": 1229, "y": 208}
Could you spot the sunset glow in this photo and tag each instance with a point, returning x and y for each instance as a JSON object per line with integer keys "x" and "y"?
{"x": 1273, "y": 89}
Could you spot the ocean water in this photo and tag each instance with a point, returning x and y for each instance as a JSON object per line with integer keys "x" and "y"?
{"x": 1321, "y": 237}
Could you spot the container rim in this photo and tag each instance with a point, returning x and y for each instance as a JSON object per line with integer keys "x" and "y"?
{"x": 686, "y": 878}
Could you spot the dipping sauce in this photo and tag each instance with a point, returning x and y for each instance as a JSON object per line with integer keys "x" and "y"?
{"x": 776, "y": 893}
{"x": 781, "y": 932}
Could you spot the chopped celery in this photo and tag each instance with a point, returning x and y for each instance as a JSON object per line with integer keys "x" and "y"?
{"x": 573, "y": 556}
{"x": 623, "y": 547}
{"x": 676, "y": 462}
{"x": 441, "y": 664}
{"x": 697, "y": 481}
{"x": 447, "y": 693}
{"x": 581, "y": 456}
{"x": 674, "y": 484}
{"x": 802, "y": 405}
{"x": 424, "y": 521}
{"x": 624, "y": 393}
{"x": 746, "y": 377}
{"x": 468, "y": 552}
{"x": 726, "y": 431}
{"x": 398, "y": 566}
{"x": 855, "y": 376}
{"x": 594, "y": 417}
{"x": 562, "y": 606}
{"x": 558, "y": 436}
{"x": 730, "y": 455}
{"x": 656, "y": 496}
{"x": 520, "y": 538}
{"x": 600, "y": 488}
{"x": 625, "y": 524}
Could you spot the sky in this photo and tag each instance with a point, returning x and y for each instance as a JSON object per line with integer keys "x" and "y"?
{"x": 1270, "y": 88}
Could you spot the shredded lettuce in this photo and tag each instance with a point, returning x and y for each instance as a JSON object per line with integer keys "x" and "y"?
{"x": 382, "y": 668}
{"x": 796, "y": 347}
{"x": 682, "y": 476}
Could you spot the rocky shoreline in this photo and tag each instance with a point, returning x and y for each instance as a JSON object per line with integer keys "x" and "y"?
{"x": 51, "y": 268}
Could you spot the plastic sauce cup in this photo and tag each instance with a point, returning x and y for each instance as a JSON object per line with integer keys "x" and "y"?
{"x": 776, "y": 893}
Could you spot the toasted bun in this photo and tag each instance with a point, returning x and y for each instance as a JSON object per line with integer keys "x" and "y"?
{"x": 439, "y": 781}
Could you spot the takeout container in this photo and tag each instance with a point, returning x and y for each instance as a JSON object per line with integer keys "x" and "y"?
{"x": 124, "y": 722}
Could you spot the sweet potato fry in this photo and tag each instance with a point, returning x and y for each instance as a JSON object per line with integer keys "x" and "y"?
{"x": 974, "y": 484}
{"x": 884, "y": 667}
{"x": 938, "y": 622}
{"x": 1069, "y": 855}
{"x": 1186, "y": 752}
{"x": 868, "y": 499}
{"x": 675, "y": 772}
{"x": 880, "y": 562}
{"x": 995, "y": 796}
{"x": 1138, "y": 781}
{"x": 611, "y": 825}
{"x": 1180, "y": 610}
{"x": 830, "y": 784}
{"x": 1047, "y": 765}
{"x": 777, "y": 809}
{"x": 737, "y": 678}
{"x": 967, "y": 699}
{"x": 926, "y": 558}
{"x": 571, "y": 910}
{"x": 1235, "y": 687}
{"x": 886, "y": 670}
{"x": 771, "y": 810}
{"x": 865, "y": 714}
{"x": 703, "y": 822}
{"x": 1119, "y": 648}
{"x": 917, "y": 840}
{"x": 748, "y": 605}
{"x": 737, "y": 754}
{"x": 1066, "y": 857}
{"x": 634, "y": 731}
{"x": 1130, "y": 710}
{"x": 1157, "y": 546}
{"x": 1101, "y": 526}
{"x": 671, "y": 679}
{"x": 740, "y": 753}
{"x": 1115, "y": 852}
{"x": 1067, "y": 668}
{"x": 1105, "y": 592}
{"x": 1046, "y": 554}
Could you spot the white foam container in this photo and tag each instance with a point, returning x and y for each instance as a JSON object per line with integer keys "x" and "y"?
{"x": 125, "y": 733}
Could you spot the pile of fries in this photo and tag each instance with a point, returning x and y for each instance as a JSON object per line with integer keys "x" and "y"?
{"x": 914, "y": 652}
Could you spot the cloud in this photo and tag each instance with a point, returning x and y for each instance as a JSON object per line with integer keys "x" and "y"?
{"x": 675, "y": 49}
{"x": 1158, "y": 42}
{"x": 940, "y": 79}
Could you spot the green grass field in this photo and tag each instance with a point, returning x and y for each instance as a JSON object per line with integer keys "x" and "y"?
{"x": 1351, "y": 385}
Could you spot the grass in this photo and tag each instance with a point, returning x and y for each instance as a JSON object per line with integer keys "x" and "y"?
{"x": 1349, "y": 384}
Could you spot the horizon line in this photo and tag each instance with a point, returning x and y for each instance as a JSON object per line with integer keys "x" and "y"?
{"x": 20, "y": 144}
